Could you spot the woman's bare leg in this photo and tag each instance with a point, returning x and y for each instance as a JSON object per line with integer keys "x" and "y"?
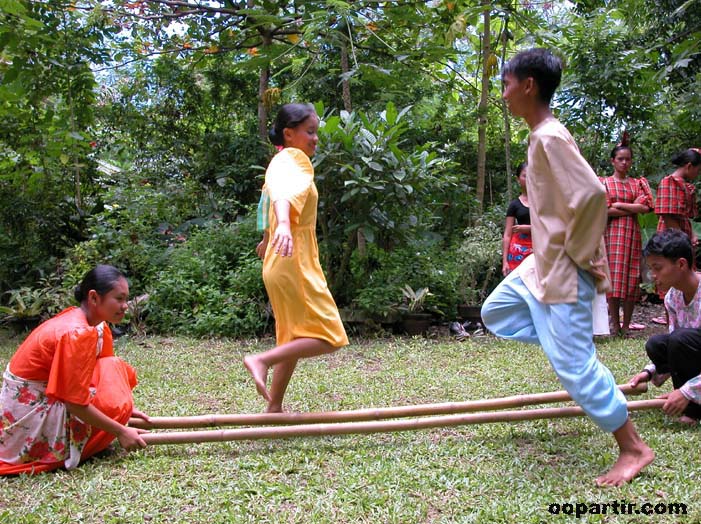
{"x": 614, "y": 314}
{"x": 282, "y": 373}
{"x": 628, "y": 307}
{"x": 258, "y": 365}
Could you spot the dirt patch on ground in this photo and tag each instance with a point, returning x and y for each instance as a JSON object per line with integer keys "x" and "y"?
{"x": 644, "y": 314}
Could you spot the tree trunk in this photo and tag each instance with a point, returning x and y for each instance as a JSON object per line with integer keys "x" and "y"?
{"x": 345, "y": 83}
{"x": 262, "y": 110}
{"x": 346, "y": 96}
{"x": 263, "y": 83}
{"x": 507, "y": 120}
{"x": 482, "y": 112}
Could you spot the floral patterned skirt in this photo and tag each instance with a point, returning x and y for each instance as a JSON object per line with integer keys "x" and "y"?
{"x": 38, "y": 433}
{"x": 36, "y": 428}
{"x": 520, "y": 246}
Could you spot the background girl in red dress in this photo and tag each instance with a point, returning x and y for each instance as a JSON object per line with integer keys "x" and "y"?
{"x": 516, "y": 242}
{"x": 626, "y": 198}
{"x": 675, "y": 204}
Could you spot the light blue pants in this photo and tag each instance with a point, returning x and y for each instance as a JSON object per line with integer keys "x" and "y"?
{"x": 565, "y": 333}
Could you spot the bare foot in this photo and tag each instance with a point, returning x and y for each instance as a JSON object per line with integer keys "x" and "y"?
{"x": 687, "y": 421}
{"x": 259, "y": 372}
{"x": 627, "y": 467}
{"x": 274, "y": 408}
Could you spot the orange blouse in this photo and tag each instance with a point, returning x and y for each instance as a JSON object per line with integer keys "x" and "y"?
{"x": 63, "y": 352}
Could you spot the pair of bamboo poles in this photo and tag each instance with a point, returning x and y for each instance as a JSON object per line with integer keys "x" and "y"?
{"x": 373, "y": 420}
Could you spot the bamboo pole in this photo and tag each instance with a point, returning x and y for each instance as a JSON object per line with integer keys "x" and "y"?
{"x": 382, "y": 426}
{"x": 446, "y": 408}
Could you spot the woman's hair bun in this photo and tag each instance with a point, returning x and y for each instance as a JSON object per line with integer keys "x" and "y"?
{"x": 275, "y": 138}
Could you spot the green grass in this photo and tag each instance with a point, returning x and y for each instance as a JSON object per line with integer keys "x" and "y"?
{"x": 506, "y": 473}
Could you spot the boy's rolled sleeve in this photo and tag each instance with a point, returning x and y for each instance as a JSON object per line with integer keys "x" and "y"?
{"x": 692, "y": 390}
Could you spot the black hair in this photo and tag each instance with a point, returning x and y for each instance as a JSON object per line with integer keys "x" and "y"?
{"x": 520, "y": 168}
{"x": 624, "y": 144}
{"x": 670, "y": 243}
{"x": 542, "y": 65}
{"x": 289, "y": 116}
{"x": 688, "y": 156}
{"x": 620, "y": 147}
{"x": 102, "y": 278}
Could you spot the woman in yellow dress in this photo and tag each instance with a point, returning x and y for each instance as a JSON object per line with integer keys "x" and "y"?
{"x": 307, "y": 322}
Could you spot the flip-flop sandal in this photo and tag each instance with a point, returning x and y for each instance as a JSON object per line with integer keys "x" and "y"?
{"x": 636, "y": 327}
{"x": 660, "y": 320}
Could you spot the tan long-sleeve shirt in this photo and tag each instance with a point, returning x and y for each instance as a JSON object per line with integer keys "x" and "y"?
{"x": 568, "y": 215}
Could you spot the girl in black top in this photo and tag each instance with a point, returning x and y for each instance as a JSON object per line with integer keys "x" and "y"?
{"x": 516, "y": 242}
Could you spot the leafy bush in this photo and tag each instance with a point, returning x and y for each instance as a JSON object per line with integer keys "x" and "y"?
{"x": 27, "y": 306}
{"x": 135, "y": 224}
{"x": 381, "y": 276}
{"x": 374, "y": 188}
{"x": 479, "y": 260}
{"x": 211, "y": 284}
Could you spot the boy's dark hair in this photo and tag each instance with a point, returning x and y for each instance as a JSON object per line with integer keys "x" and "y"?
{"x": 290, "y": 116}
{"x": 520, "y": 168}
{"x": 670, "y": 243}
{"x": 544, "y": 67}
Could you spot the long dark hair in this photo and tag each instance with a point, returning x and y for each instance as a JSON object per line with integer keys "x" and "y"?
{"x": 289, "y": 116}
{"x": 101, "y": 278}
{"x": 689, "y": 156}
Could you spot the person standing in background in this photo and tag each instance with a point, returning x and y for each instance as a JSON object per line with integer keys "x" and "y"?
{"x": 516, "y": 243}
{"x": 626, "y": 197}
{"x": 675, "y": 204}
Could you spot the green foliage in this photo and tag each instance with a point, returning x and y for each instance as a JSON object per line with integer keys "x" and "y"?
{"x": 479, "y": 261}
{"x": 174, "y": 125}
{"x": 374, "y": 183}
{"x": 381, "y": 279}
{"x": 634, "y": 65}
{"x": 371, "y": 187}
{"x": 182, "y": 118}
{"x": 413, "y": 301}
{"x": 27, "y": 306}
{"x": 211, "y": 284}
{"x": 24, "y": 304}
{"x": 46, "y": 97}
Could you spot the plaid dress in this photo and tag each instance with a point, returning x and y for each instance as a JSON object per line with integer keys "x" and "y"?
{"x": 676, "y": 197}
{"x": 623, "y": 241}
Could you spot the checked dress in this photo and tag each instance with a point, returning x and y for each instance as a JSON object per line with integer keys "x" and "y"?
{"x": 622, "y": 235}
{"x": 676, "y": 197}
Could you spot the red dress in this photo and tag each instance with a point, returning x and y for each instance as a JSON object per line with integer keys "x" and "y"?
{"x": 63, "y": 360}
{"x": 622, "y": 235}
{"x": 520, "y": 244}
{"x": 676, "y": 197}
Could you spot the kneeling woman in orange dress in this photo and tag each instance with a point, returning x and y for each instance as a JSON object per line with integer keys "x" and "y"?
{"x": 65, "y": 396}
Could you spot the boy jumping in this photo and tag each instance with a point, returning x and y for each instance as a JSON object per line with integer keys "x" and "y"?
{"x": 547, "y": 300}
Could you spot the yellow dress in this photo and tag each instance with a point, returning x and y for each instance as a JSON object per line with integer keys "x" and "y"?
{"x": 301, "y": 300}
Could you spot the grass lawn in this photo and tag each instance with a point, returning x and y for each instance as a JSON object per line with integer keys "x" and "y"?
{"x": 508, "y": 473}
